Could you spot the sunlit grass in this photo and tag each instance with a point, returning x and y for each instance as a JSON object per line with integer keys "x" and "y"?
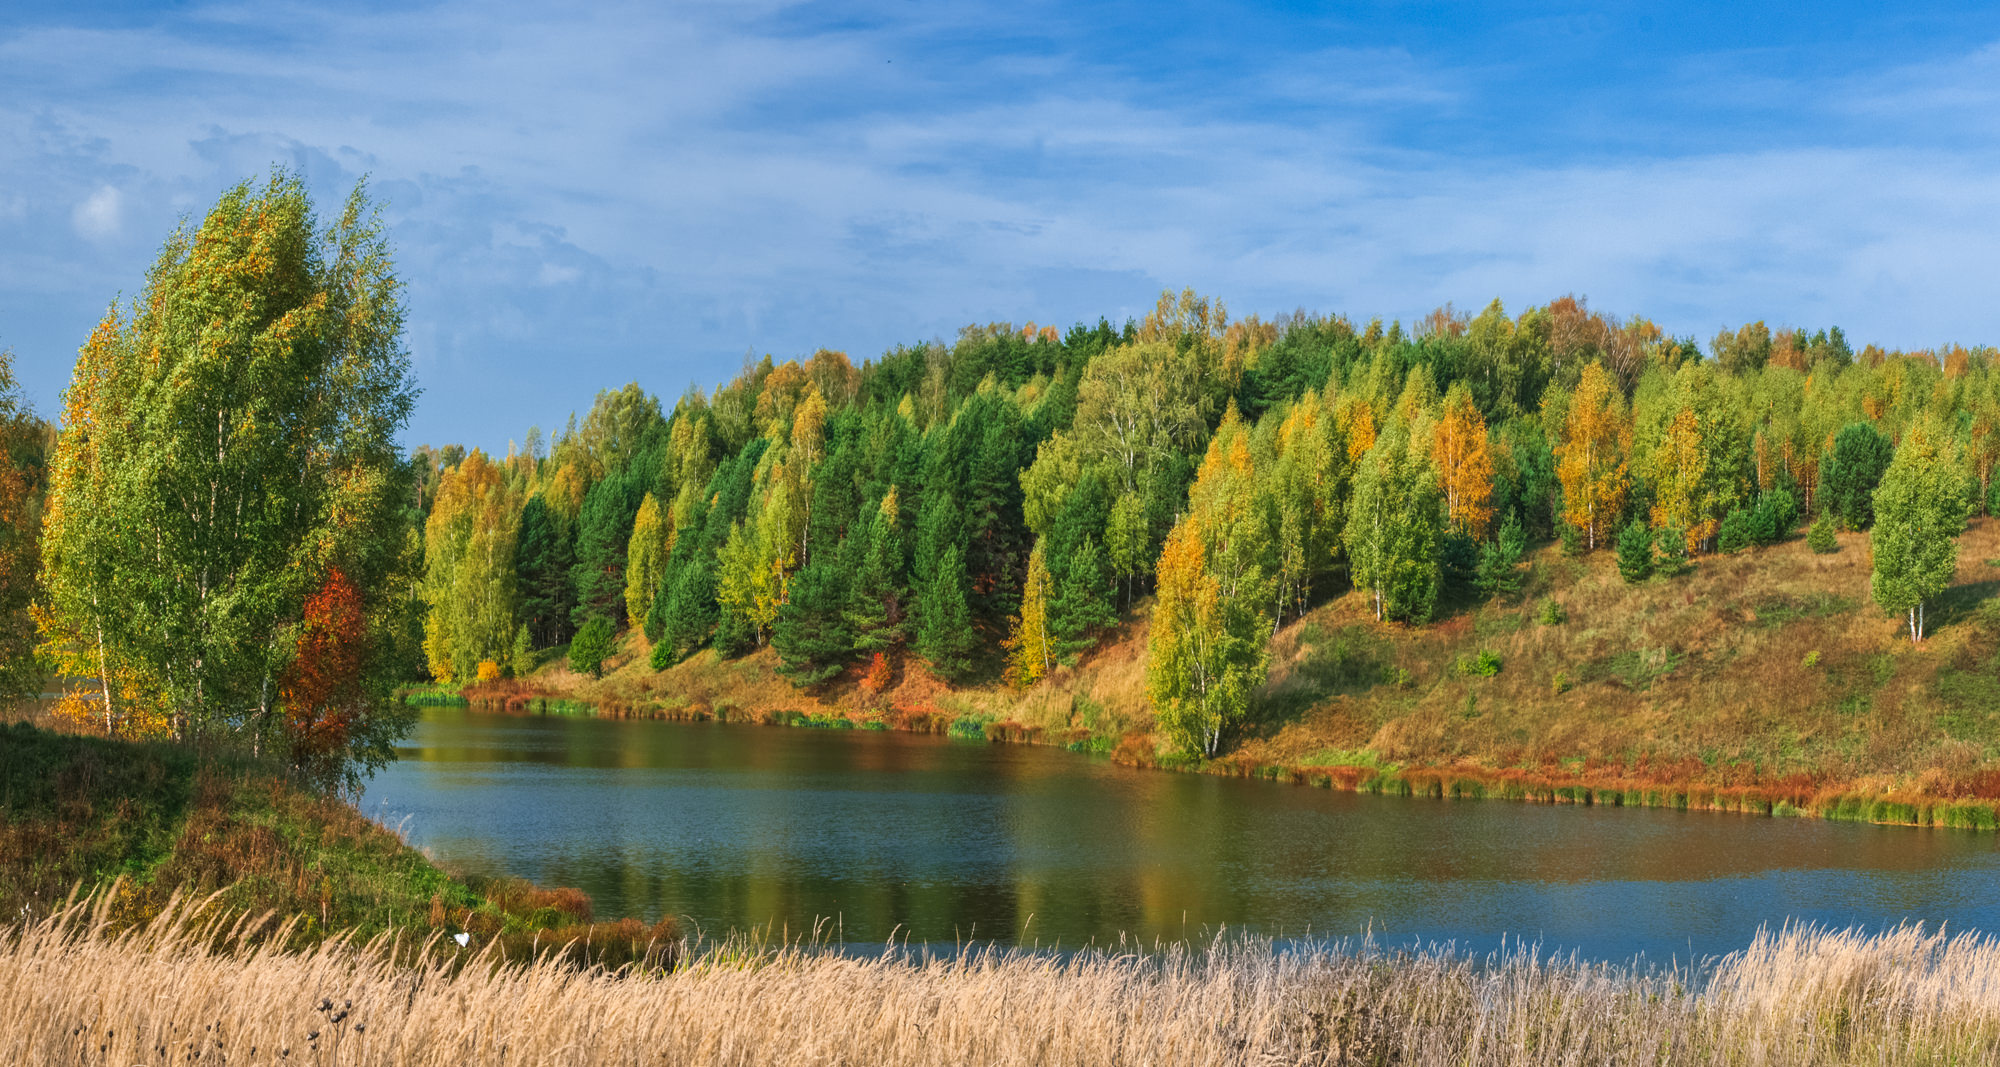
{"x": 183, "y": 990}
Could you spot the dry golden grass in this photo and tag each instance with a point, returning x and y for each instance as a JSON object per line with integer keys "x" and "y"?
{"x": 178, "y": 992}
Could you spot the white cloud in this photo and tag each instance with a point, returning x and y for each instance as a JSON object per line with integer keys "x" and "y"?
{"x": 99, "y": 216}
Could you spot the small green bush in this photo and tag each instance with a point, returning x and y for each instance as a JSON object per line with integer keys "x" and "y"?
{"x": 590, "y": 646}
{"x": 1499, "y": 560}
{"x": 1552, "y": 613}
{"x": 1811, "y": 660}
{"x": 1561, "y": 684}
{"x": 1820, "y": 538}
{"x": 1484, "y": 665}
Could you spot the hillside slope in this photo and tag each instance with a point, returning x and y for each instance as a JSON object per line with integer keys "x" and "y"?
{"x": 1760, "y": 679}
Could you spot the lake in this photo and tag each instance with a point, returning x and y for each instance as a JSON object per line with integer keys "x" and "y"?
{"x": 881, "y": 834}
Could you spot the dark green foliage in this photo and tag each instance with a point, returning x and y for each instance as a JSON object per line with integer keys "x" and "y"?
{"x": 876, "y": 597}
{"x": 945, "y": 635}
{"x": 1635, "y": 552}
{"x": 1849, "y": 473}
{"x": 1527, "y": 484}
{"x": 1499, "y": 571}
{"x": 1082, "y": 606}
{"x": 1459, "y": 554}
{"x": 1778, "y": 516}
{"x": 590, "y": 646}
{"x": 1672, "y": 560}
{"x": 604, "y": 529}
{"x": 1572, "y": 541}
{"x": 1551, "y": 613}
{"x": 1820, "y": 538}
{"x": 1737, "y": 533}
{"x": 813, "y": 636}
{"x": 543, "y": 556}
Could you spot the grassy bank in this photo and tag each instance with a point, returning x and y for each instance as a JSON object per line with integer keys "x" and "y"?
{"x": 1762, "y": 681}
{"x": 157, "y": 822}
{"x": 1796, "y": 999}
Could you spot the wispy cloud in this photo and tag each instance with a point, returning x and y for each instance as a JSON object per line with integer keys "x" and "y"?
{"x": 633, "y": 192}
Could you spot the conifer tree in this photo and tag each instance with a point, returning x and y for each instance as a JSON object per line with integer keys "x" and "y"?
{"x": 1849, "y": 473}
{"x": 945, "y": 635}
{"x": 1635, "y": 551}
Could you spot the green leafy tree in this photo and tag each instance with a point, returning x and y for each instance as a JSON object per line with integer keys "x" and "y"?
{"x": 1395, "y": 529}
{"x": 1920, "y": 508}
{"x": 1205, "y": 653}
{"x": 227, "y": 445}
{"x": 645, "y": 558}
{"x": 591, "y": 646}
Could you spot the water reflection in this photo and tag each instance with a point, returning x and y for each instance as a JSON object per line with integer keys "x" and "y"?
{"x": 734, "y": 826}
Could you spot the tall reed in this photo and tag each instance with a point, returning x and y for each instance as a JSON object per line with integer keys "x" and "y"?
{"x": 195, "y": 989}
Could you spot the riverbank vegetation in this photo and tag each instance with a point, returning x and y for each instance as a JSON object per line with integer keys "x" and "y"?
{"x": 73, "y": 992}
{"x": 138, "y": 825}
{"x": 1551, "y": 546}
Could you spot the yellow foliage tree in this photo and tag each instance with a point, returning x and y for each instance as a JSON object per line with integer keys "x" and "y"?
{"x": 1680, "y": 476}
{"x": 1464, "y": 465}
{"x": 1591, "y": 457}
{"x": 645, "y": 557}
{"x": 1028, "y": 656}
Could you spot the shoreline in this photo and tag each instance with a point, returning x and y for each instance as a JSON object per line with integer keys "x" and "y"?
{"x": 1798, "y": 799}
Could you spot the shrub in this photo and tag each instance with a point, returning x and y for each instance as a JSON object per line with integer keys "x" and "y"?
{"x": 489, "y": 670}
{"x": 1552, "y": 613}
{"x": 1572, "y": 540}
{"x": 1811, "y": 660}
{"x": 1820, "y": 538}
{"x": 591, "y": 645}
{"x": 1782, "y": 513}
{"x": 1735, "y": 534}
{"x": 1635, "y": 552}
{"x": 1673, "y": 552}
{"x": 1484, "y": 665}
{"x": 1561, "y": 683}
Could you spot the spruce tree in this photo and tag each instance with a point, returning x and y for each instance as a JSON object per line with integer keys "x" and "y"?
{"x": 1635, "y": 551}
{"x": 813, "y": 636}
{"x": 945, "y": 635}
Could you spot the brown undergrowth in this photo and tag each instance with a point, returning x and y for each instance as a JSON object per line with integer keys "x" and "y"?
{"x": 1765, "y": 680}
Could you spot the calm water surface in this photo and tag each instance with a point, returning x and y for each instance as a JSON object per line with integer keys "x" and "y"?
{"x": 738, "y": 826}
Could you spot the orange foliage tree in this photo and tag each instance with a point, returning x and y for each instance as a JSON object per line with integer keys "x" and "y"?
{"x": 322, "y": 685}
{"x": 1465, "y": 467}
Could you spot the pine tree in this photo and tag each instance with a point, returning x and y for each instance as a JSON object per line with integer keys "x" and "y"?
{"x": 1082, "y": 607}
{"x": 876, "y": 598}
{"x": 812, "y": 635}
{"x": 1499, "y": 559}
{"x": 945, "y": 635}
{"x": 1821, "y": 537}
{"x": 543, "y": 556}
{"x": 1635, "y": 552}
{"x": 1849, "y": 473}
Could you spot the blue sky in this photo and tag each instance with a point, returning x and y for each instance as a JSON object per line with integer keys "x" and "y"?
{"x": 610, "y": 193}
